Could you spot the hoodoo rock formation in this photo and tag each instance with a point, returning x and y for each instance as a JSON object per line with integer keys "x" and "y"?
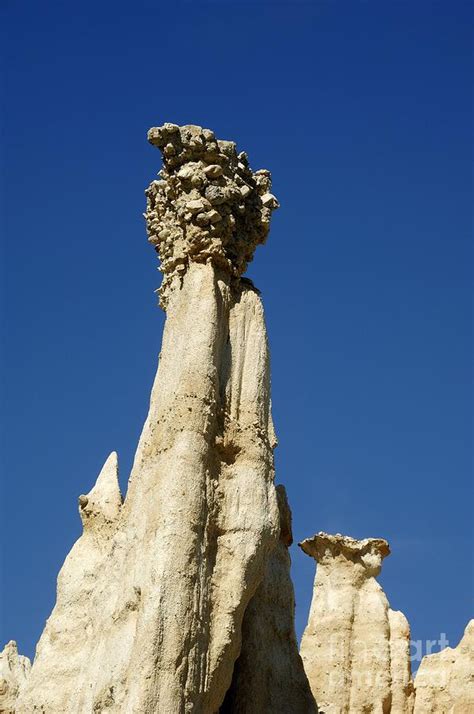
{"x": 355, "y": 649}
{"x": 445, "y": 680}
{"x": 152, "y": 597}
{"x": 177, "y": 599}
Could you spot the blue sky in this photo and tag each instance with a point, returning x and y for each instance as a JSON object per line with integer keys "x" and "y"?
{"x": 361, "y": 110}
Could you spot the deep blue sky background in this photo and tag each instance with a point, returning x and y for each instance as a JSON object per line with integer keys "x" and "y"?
{"x": 361, "y": 110}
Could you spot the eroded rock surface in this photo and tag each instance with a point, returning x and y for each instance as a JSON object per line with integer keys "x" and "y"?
{"x": 269, "y": 674}
{"x": 444, "y": 682}
{"x": 354, "y": 649}
{"x": 151, "y": 598}
{"x": 14, "y": 671}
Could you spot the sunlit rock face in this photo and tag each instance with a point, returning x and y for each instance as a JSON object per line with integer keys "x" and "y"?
{"x": 14, "y": 671}
{"x": 355, "y": 650}
{"x": 445, "y": 680}
{"x": 269, "y": 674}
{"x": 151, "y": 599}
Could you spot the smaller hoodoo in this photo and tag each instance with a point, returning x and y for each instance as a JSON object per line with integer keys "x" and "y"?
{"x": 355, "y": 649}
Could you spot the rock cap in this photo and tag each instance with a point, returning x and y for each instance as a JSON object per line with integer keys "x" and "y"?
{"x": 208, "y": 206}
{"x": 368, "y": 552}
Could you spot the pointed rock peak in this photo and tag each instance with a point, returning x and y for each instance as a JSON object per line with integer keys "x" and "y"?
{"x": 369, "y": 552}
{"x": 10, "y": 648}
{"x": 107, "y": 480}
{"x": 104, "y": 501}
{"x": 398, "y": 622}
{"x": 14, "y": 671}
{"x": 10, "y": 655}
{"x": 468, "y": 633}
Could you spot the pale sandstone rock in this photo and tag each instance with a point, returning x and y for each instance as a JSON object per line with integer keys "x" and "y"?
{"x": 151, "y": 598}
{"x": 269, "y": 674}
{"x": 14, "y": 671}
{"x": 444, "y": 683}
{"x": 354, "y": 650}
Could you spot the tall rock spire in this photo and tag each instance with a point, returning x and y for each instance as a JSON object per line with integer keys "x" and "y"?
{"x": 152, "y": 622}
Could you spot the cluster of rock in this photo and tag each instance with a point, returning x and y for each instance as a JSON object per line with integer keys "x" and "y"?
{"x": 178, "y": 598}
{"x": 209, "y": 206}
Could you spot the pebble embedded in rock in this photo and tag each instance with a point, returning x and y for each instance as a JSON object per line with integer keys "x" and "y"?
{"x": 196, "y": 206}
{"x": 268, "y": 199}
{"x": 215, "y": 195}
{"x": 214, "y": 216}
{"x": 202, "y": 219}
{"x": 213, "y": 171}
